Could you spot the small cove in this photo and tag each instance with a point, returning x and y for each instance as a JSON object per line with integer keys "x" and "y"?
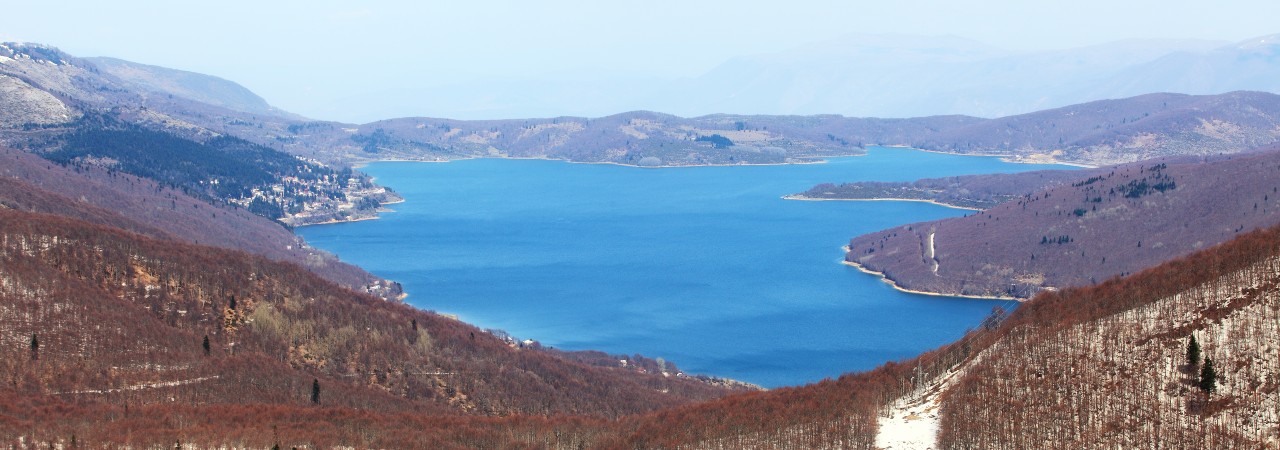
{"x": 707, "y": 267}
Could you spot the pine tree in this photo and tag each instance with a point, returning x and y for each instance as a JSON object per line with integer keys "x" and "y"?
{"x": 1193, "y": 352}
{"x": 315, "y": 390}
{"x": 35, "y": 347}
{"x": 206, "y": 345}
{"x": 1208, "y": 377}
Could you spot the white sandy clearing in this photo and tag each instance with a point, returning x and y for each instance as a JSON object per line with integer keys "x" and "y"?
{"x": 139, "y": 387}
{"x": 912, "y": 422}
{"x": 933, "y": 255}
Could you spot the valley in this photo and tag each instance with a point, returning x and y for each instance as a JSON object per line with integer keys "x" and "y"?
{"x": 153, "y": 292}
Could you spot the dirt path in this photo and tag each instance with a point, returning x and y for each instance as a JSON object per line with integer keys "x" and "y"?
{"x": 932, "y": 252}
{"x": 138, "y": 387}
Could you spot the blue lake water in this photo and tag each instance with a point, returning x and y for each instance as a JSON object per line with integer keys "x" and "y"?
{"x": 706, "y": 267}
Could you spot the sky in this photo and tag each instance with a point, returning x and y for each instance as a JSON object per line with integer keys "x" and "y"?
{"x": 334, "y": 59}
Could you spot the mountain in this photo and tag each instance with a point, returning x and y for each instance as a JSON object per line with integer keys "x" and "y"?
{"x": 195, "y": 86}
{"x": 907, "y": 76}
{"x": 880, "y": 75}
{"x": 1097, "y": 133}
{"x": 639, "y": 138}
{"x": 57, "y": 89}
{"x": 1124, "y": 130}
{"x": 1105, "y": 223}
{"x": 912, "y": 76}
{"x": 1251, "y": 65}
{"x": 74, "y": 111}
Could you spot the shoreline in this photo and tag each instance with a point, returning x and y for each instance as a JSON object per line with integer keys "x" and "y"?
{"x": 878, "y": 199}
{"x": 334, "y": 221}
{"x": 377, "y": 215}
{"x": 1003, "y": 158}
{"x": 891, "y": 282}
{"x": 799, "y": 161}
{"x": 817, "y": 159}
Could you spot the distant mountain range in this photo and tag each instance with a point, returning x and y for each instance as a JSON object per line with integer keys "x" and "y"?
{"x": 1096, "y": 133}
{"x": 868, "y": 75}
{"x": 51, "y": 90}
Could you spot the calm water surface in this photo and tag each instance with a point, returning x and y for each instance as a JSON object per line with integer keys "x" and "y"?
{"x": 706, "y": 267}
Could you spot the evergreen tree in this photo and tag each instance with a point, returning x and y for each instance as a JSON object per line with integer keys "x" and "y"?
{"x": 1208, "y": 377}
{"x": 315, "y": 390}
{"x": 206, "y": 345}
{"x": 35, "y": 347}
{"x": 1193, "y": 352}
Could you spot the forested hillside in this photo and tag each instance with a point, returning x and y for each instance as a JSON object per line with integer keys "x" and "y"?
{"x": 1104, "y": 224}
{"x": 119, "y": 200}
{"x": 1111, "y": 367}
{"x": 108, "y": 321}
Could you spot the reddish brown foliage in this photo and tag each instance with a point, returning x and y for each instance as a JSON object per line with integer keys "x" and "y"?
{"x": 121, "y": 318}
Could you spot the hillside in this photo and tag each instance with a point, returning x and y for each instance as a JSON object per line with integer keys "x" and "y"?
{"x": 968, "y": 191}
{"x": 1131, "y": 217}
{"x": 1107, "y": 366}
{"x": 74, "y": 112}
{"x": 104, "y": 197}
{"x": 1096, "y": 367}
{"x": 1125, "y": 130}
{"x": 104, "y": 319}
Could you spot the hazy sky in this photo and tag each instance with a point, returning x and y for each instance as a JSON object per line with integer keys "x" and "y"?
{"x": 304, "y": 56}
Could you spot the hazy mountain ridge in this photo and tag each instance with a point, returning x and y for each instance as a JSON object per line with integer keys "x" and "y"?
{"x": 901, "y": 76}
{"x": 886, "y": 75}
{"x": 1107, "y": 222}
{"x": 195, "y": 86}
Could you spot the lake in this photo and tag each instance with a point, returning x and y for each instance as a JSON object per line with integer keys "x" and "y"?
{"x": 706, "y": 267}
